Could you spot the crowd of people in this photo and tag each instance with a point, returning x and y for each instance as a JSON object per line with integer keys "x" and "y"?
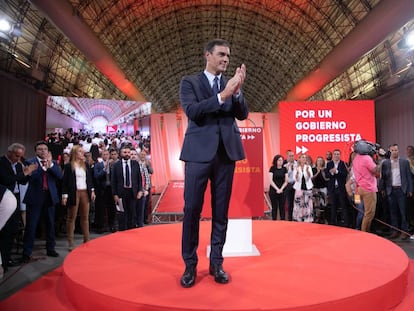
{"x": 76, "y": 181}
{"x": 103, "y": 183}
{"x": 351, "y": 194}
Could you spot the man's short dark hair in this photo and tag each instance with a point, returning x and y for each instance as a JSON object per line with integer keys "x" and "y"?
{"x": 126, "y": 145}
{"x": 40, "y": 142}
{"x": 211, "y": 44}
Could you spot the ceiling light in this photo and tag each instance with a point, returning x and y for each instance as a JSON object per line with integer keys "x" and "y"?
{"x": 5, "y": 25}
{"x": 407, "y": 42}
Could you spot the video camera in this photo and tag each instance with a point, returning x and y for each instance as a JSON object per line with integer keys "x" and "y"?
{"x": 365, "y": 147}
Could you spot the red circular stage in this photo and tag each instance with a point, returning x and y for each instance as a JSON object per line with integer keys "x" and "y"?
{"x": 301, "y": 267}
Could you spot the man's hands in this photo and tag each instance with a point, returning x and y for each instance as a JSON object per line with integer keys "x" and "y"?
{"x": 234, "y": 84}
{"x": 29, "y": 169}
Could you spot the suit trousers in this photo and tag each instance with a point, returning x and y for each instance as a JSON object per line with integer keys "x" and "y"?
{"x": 337, "y": 199}
{"x": 34, "y": 212}
{"x": 104, "y": 208}
{"x": 220, "y": 172}
{"x": 126, "y": 219}
{"x": 139, "y": 212}
{"x": 397, "y": 201}
{"x": 290, "y": 198}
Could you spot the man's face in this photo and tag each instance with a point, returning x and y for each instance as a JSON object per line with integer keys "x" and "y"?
{"x": 105, "y": 155}
{"x": 16, "y": 156}
{"x": 42, "y": 151}
{"x": 125, "y": 153}
{"x": 142, "y": 155}
{"x": 336, "y": 156}
{"x": 394, "y": 152}
{"x": 290, "y": 157}
{"x": 329, "y": 156}
{"x": 218, "y": 59}
{"x": 134, "y": 155}
{"x": 114, "y": 155}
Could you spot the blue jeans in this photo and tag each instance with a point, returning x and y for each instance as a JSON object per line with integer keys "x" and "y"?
{"x": 397, "y": 204}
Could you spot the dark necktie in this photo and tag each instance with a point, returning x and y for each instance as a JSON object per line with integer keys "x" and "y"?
{"x": 127, "y": 178}
{"x": 44, "y": 176}
{"x": 216, "y": 86}
{"x": 106, "y": 169}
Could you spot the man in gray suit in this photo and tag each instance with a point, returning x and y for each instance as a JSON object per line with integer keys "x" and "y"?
{"x": 396, "y": 184}
{"x": 211, "y": 146}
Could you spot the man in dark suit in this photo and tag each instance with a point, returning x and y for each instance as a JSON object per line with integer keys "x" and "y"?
{"x": 104, "y": 203}
{"x": 337, "y": 172}
{"x": 126, "y": 185}
{"x": 12, "y": 173}
{"x": 396, "y": 183}
{"x": 211, "y": 146}
{"x": 41, "y": 198}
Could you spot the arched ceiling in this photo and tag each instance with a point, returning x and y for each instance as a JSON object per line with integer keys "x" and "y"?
{"x": 154, "y": 43}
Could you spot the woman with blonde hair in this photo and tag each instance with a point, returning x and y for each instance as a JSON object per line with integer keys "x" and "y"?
{"x": 77, "y": 192}
{"x": 303, "y": 205}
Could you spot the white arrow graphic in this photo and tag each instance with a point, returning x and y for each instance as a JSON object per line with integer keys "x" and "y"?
{"x": 302, "y": 149}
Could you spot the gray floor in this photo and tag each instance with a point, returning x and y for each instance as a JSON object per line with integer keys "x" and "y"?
{"x": 18, "y": 277}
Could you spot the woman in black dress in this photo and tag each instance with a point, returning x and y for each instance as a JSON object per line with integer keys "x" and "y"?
{"x": 278, "y": 182}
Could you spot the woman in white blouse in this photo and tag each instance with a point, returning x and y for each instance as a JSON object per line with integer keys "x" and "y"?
{"x": 303, "y": 205}
{"x": 77, "y": 192}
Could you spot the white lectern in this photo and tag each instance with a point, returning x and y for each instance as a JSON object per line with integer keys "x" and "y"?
{"x": 239, "y": 240}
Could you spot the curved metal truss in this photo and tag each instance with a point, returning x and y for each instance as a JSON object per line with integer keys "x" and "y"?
{"x": 156, "y": 42}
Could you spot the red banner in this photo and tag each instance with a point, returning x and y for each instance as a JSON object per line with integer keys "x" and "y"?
{"x": 111, "y": 128}
{"x": 247, "y": 198}
{"x": 318, "y": 126}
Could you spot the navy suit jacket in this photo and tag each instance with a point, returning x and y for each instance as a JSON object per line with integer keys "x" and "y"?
{"x": 208, "y": 121}
{"x": 99, "y": 174}
{"x": 34, "y": 193}
{"x": 117, "y": 178}
{"x": 340, "y": 177}
{"x": 405, "y": 173}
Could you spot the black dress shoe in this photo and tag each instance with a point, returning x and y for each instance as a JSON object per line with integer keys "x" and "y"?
{"x": 52, "y": 253}
{"x": 189, "y": 276}
{"x": 27, "y": 258}
{"x": 219, "y": 275}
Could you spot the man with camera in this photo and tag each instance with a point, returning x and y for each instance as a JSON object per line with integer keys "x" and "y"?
{"x": 366, "y": 172}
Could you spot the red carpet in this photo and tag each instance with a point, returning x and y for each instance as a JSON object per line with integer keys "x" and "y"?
{"x": 301, "y": 267}
{"x": 172, "y": 198}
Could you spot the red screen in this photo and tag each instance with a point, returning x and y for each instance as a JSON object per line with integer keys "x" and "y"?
{"x": 318, "y": 126}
